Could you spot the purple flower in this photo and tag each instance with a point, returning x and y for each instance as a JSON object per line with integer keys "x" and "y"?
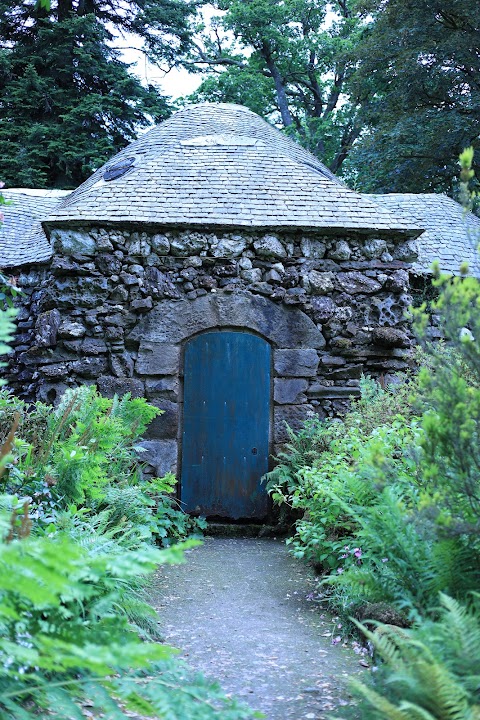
{"x": 339, "y": 571}
{"x": 357, "y": 552}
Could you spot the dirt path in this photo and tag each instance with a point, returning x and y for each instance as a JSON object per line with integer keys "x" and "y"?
{"x": 239, "y": 611}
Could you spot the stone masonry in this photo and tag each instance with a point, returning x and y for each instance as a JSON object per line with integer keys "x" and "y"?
{"x": 116, "y": 307}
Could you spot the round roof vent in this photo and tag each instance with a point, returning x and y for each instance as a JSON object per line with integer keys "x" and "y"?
{"x": 118, "y": 169}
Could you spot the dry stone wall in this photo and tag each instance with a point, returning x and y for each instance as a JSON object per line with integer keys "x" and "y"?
{"x": 116, "y": 308}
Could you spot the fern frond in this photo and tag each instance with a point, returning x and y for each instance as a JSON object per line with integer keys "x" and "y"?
{"x": 465, "y": 626}
{"x": 445, "y": 697}
{"x": 414, "y": 712}
{"x": 385, "y": 642}
{"x": 383, "y": 707}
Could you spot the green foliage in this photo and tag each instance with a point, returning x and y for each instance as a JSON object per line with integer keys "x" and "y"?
{"x": 430, "y": 672}
{"x": 75, "y": 628}
{"x": 68, "y": 101}
{"x": 243, "y": 86}
{"x": 289, "y": 62}
{"x": 373, "y": 521}
{"x": 352, "y": 80}
{"x": 467, "y": 195}
{"x": 66, "y": 641}
{"x": 8, "y": 289}
{"x": 452, "y": 393}
{"x": 330, "y": 467}
{"x": 84, "y": 453}
{"x": 7, "y": 330}
{"x": 402, "y": 559}
{"x": 306, "y": 448}
{"x": 418, "y": 66}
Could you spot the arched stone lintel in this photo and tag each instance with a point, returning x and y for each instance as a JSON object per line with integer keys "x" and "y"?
{"x": 171, "y": 322}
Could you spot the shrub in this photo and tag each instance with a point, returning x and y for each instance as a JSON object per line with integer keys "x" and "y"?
{"x": 85, "y": 454}
{"x": 452, "y": 391}
{"x": 66, "y": 642}
{"x": 75, "y": 627}
{"x": 349, "y": 463}
{"x": 430, "y": 672}
{"x": 373, "y": 522}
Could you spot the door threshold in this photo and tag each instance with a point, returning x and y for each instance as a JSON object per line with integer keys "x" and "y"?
{"x": 233, "y": 529}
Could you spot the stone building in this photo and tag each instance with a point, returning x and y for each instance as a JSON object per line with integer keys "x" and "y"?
{"x": 221, "y": 271}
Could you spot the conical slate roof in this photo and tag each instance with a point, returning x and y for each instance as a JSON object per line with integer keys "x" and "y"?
{"x": 222, "y": 165}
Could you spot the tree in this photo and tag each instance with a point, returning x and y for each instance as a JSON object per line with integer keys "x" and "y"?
{"x": 291, "y": 61}
{"x": 68, "y": 102}
{"x": 419, "y": 62}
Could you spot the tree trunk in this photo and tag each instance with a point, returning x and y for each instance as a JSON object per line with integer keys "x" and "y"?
{"x": 279, "y": 87}
{"x": 349, "y": 137}
{"x": 335, "y": 91}
{"x": 316, "y": 89}
{"x": 85, "y": 7}
{"x": 64, "y": 9}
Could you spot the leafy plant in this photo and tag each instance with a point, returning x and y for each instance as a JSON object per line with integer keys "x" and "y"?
{"x": 401, "y": 560}
{"x": 332, "y": 467}
{"x": 372, "y": 522}
{"x": 430, "y": 672}
{"x": 7, "y": 329}
{"x": 85, "y": 454}
{"x": 75, "y": 627}
{"x": 67, "y": 642}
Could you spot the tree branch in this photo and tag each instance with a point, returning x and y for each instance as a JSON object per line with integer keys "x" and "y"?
{"x": 348, "y": 138}
{"x": 335, "y": 92}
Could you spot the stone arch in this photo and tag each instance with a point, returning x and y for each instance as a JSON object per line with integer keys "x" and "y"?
{"x": 163, "y": 332}
{"x": 171, "y": 322}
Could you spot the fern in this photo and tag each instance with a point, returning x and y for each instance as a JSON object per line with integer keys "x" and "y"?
{"x": 128, "y": 503}
{"x": 429, "y": 672}
{"x": 69, "y": 633}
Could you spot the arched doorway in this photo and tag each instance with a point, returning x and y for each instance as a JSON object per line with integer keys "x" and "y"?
{"x": 226, "y": 424}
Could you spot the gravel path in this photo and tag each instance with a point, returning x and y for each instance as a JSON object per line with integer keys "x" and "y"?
{"x": 239, "y": 610}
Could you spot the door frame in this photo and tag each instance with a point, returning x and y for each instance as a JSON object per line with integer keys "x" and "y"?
{"x": 223, "y": 328}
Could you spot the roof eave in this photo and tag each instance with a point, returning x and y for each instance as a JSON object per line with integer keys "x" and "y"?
{"x": 86, "y": 221}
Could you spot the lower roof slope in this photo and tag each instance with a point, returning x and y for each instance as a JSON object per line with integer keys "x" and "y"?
{"x": 222, "y": 165}
{"x": 451, "y": 235}
{"x": 22, "y": 239}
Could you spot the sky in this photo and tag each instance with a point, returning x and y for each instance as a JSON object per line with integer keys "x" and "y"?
{"x": 175, "y": 83}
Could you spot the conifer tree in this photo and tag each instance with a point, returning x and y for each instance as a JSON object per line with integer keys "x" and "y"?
{"x": 67, "y": 101}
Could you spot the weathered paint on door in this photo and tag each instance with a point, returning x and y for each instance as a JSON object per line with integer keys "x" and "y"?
{"x": 225, "y": 425}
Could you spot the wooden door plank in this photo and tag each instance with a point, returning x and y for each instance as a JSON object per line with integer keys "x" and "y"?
{"x": 226, "y": 421}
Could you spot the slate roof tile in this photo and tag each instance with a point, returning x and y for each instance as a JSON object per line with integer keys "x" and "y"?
{"x": 194, "y": 168}
{"x": 22, "y": 239}
{"x": 222, "y": 164}
{"x": 451, "y": 234}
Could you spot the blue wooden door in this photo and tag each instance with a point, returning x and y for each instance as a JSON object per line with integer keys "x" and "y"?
{"x": 225, "y": 425}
